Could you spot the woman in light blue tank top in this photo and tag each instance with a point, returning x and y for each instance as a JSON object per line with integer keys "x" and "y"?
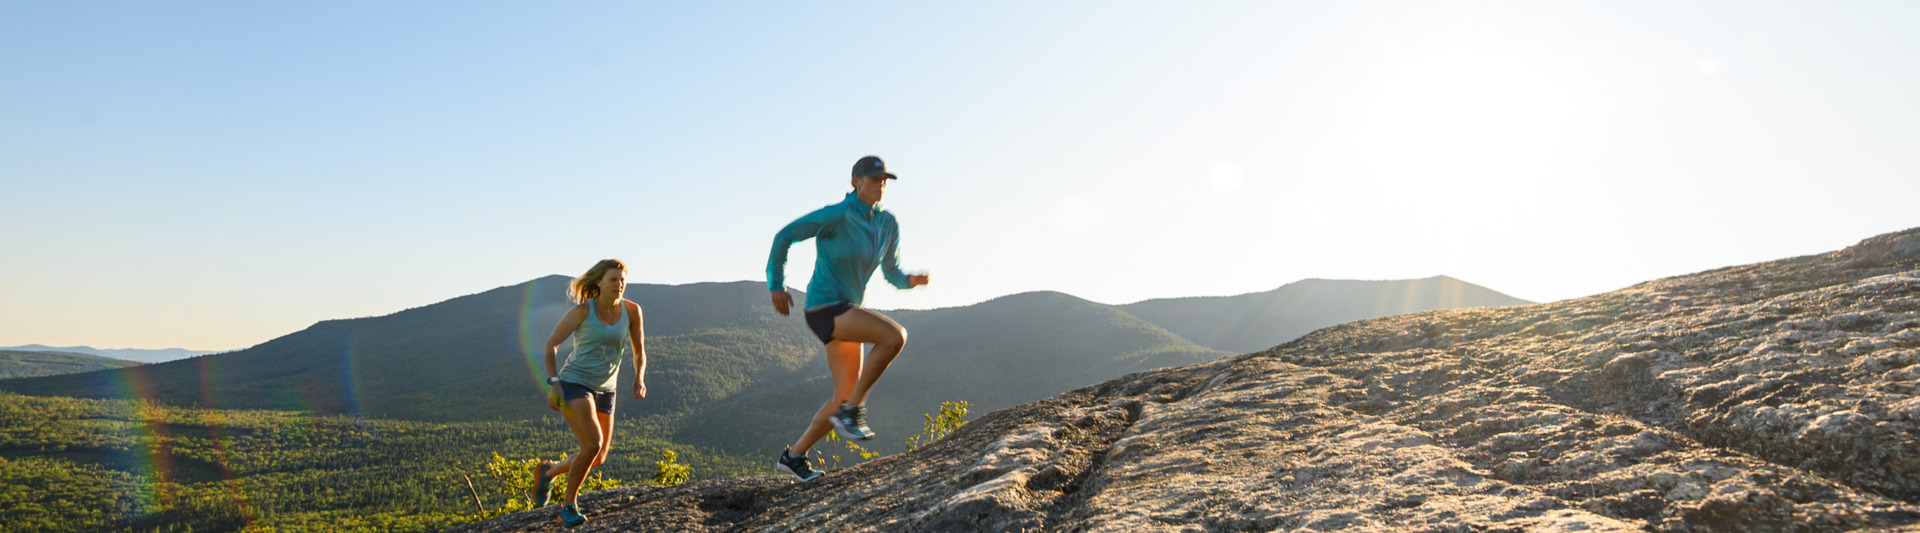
{"x": 605, "y": 327}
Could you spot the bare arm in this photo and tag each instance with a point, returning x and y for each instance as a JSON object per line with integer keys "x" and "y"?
{"x": 637, "y": 332}
{"x": 568, "y": 323}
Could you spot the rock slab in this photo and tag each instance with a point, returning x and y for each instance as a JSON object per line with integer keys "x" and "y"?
{"x": 1780, "y": 396}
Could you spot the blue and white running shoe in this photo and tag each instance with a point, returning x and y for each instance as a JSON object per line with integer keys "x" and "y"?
{"x": 542, "y": 485}
{"x": 852, "y": 422}
{"x": 570, "y": 515}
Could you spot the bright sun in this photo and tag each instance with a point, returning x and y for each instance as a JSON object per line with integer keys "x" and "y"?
{"x": 1480, "y": 117}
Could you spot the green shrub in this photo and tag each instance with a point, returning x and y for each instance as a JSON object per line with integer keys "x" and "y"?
{"x": 516, "y": 476}
{"x": 855, "y": 448}
{"x": 668, "y": 472}
{"x": 952, "y": 415}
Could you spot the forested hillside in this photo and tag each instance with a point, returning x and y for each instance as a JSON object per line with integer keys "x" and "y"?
{"x": 19, "y": 364}
{"x": 90, "y": 465}
{"x": 717, "y": 350}
{"x": 481, "y": 349}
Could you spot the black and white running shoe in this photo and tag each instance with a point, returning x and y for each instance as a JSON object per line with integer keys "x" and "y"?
{"x": 800, "y": 467}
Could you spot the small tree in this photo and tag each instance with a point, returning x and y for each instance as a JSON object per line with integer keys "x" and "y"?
{"x": 856, "y": 448}
{"x": 668, "y": 472}
{"x": 952, "y": 415}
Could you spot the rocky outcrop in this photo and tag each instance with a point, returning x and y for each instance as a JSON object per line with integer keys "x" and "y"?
{"x": 1776, "y": 396}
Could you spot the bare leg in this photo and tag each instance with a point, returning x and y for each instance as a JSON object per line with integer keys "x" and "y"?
{"x": 606, "y": 436}
{"x": 566, "y": 464}
{"x": 592, "y": 434}
{"x": 859, "y": 325}
{"x": 843, "y": 361}
{"x": 606, "y": 443}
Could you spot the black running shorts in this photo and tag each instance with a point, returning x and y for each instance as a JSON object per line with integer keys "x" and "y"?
{"x": 820, "y": 319}
{"x": 602, "y": 400}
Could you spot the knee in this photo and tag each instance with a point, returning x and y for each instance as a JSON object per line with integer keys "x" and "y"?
{"x": 899, "y": 337}
{"x": 591, "y": 449}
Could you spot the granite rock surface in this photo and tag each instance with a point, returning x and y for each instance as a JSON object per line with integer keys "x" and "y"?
{"x": 1780, "y": 396}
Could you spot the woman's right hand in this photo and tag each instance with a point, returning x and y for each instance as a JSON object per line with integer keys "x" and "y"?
{"x": 782, "y": 301}
{"x": 553, "y": 396}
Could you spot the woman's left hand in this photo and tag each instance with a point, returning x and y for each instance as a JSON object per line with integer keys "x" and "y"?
{"x": 918, "y": 280}
{"x": 639, "y": 388}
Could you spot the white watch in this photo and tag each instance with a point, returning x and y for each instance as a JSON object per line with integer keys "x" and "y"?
{"x": 553, "y": 379}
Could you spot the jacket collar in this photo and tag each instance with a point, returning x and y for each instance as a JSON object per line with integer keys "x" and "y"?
{"x": 853, "y": 203}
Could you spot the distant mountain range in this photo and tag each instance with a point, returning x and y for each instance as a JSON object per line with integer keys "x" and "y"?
{"x": 131, "y": 354}
{"x": 25, "y": 364}
{"x": 994, "y": 354}
{"x": 480, "y": 349}
{"x": 728, "y": 370}
{"x": 1261, "y": 320}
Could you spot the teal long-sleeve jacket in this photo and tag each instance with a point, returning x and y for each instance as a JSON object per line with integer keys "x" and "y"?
{"x": 851, "y": 238}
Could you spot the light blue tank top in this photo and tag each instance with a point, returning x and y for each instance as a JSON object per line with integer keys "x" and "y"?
{"x": 597, "y": 350}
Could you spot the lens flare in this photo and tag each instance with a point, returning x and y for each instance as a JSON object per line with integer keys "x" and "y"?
{"x": 350, "y": 386}
{"x": 215, "y": 422}
{"x": 152, "y": 461}
{"x": 539, "y": 311}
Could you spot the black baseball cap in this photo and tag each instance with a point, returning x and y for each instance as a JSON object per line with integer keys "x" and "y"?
{"x": 871, "y": 166}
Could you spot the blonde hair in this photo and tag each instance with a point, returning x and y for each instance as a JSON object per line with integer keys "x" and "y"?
{"x": 587, "y": 286}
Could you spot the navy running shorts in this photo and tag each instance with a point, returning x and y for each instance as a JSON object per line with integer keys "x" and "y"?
{"x": 820, "y": 319}
{"x": 602, "y": 400}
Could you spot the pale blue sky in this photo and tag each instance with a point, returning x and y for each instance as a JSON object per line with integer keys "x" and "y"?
{"x": 213, "y": 175}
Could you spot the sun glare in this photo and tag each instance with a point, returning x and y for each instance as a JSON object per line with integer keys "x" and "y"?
{"x": 1479, "y": 117}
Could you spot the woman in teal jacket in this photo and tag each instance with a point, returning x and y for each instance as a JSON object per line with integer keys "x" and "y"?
{"x": 852, "y": 238}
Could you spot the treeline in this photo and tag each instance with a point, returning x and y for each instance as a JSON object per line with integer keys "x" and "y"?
{"x": 70, "y": 464}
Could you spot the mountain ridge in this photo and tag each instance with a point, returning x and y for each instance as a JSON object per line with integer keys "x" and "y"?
{"x": 1260, "y": 320}
{"x": 138, "y": 355}
{"x": 337, "y": 356}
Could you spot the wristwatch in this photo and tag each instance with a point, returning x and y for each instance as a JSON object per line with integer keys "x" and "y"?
{"x": 553, "y": 379}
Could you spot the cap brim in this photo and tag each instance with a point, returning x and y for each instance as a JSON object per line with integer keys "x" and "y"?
{"x": 890, "y": 176}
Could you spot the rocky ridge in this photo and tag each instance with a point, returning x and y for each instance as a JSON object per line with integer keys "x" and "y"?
{"x": 1775, "y": 396}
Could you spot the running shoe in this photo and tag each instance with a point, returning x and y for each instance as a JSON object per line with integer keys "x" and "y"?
{"x": 542, "y": 485}
{"x": 800, "y": 467}
{"x": 852, "y": 422}
{"x": 570, "y": 515}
